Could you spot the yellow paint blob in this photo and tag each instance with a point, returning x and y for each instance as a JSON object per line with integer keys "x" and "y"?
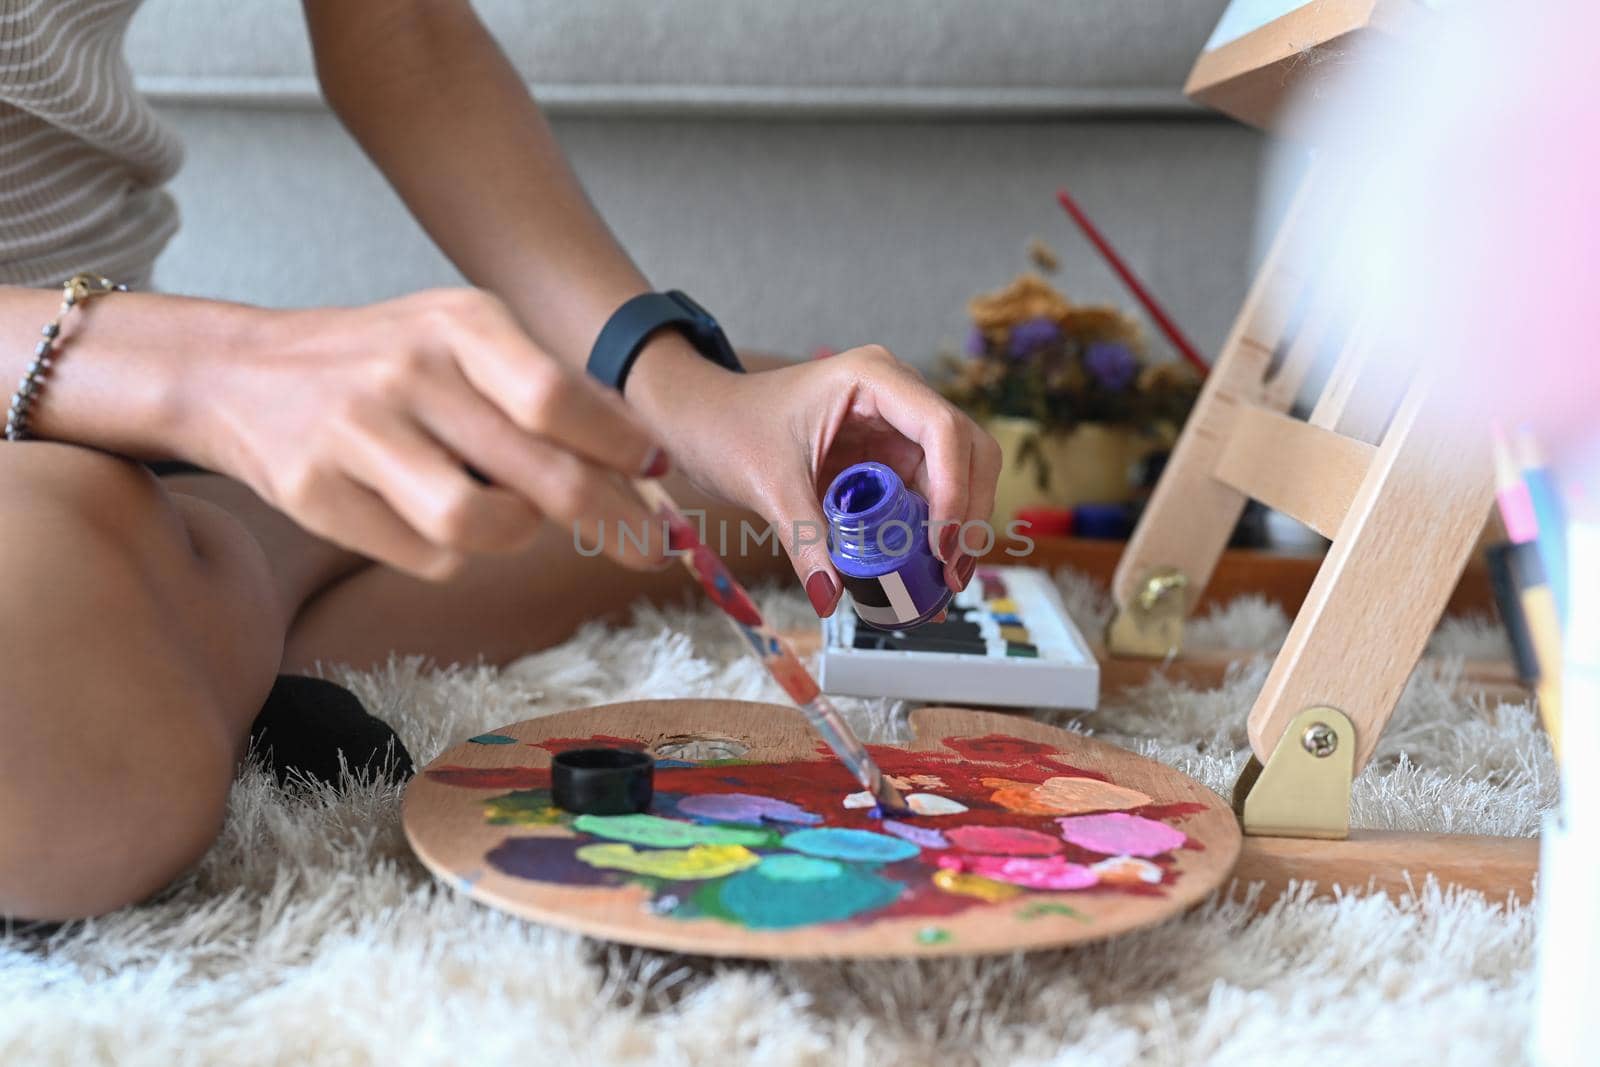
{"x": 1064, "y": 796}
{"x": 974, "y": 885}
{"x": 676, "y": 864}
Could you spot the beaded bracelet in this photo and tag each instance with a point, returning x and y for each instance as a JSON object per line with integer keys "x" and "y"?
{"x": 79, "y": 289}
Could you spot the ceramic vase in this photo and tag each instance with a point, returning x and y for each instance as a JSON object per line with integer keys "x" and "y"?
{"x": 1093, "y": 462}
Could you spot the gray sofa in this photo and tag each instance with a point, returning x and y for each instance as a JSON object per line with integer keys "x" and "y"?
{"x": 819, "y": 172}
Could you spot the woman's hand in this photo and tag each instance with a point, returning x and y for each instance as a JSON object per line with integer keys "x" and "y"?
{"x": 774, "y": 440}
{"x": 421, "y": 430}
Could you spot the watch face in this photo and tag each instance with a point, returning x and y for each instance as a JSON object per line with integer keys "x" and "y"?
{"x": 708, "y": 336}
{"x": 689, "y": 304}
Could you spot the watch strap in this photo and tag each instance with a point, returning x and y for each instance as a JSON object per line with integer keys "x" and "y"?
{"x": 624, "y": 335}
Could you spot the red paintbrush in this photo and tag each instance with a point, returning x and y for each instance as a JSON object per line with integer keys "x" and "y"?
{"x": 1159, "y": 314}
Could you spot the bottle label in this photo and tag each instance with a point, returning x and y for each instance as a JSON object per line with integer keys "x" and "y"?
{"x": 882, "y": 601}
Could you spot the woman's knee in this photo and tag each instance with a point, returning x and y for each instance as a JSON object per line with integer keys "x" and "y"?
{"x": 130, "y": 682}
{"x": 108, "y": 821}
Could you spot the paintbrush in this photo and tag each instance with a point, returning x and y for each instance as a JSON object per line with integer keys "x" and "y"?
{"x": 771, "y": 649}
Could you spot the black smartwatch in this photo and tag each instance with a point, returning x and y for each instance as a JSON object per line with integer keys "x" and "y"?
{"x": 632, "y": 324}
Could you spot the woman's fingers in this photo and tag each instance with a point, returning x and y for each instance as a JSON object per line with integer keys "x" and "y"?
{"x": 356, "y": 518}
{"x": 541, "y": 396}
{"x": 944, "y": 434}
{"x": 793, "y": 508}
{"x": 602, "y": 514}
{"x": 984, "y": 478}
{"x": 431, "y": 489}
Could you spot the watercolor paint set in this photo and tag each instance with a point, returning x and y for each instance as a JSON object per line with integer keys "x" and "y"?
{"x": 1007, "y": 641}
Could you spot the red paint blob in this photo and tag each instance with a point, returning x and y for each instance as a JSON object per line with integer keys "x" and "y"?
{"x": 1003, "y": 840}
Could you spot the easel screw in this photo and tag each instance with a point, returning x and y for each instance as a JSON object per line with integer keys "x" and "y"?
{"x": 1320, "y": 740}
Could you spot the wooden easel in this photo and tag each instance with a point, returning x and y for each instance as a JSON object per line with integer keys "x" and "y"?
{"x": 1372, "y": 468}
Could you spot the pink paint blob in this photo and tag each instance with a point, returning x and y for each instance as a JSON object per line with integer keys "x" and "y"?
{"x": 1119, "y": 834}
{"x": 1049, "y": 872}
{"x": 1003, "y": 840}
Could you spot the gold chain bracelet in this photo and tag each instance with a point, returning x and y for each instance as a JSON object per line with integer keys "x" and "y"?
{"x": 78, "y": 289}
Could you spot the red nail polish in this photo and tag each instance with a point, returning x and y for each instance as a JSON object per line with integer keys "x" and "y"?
{"x": 948, "y": 538}
{"x": 656, "y": 463}
{"x": 959, "y": 573}
{"x": 820, "y": 590}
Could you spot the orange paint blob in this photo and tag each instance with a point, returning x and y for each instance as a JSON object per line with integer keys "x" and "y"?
{"x": 1064, "y": 796}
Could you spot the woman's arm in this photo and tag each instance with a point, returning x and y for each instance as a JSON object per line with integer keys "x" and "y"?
{"x": 425, "y": 90}
{"x": 364, "y": 425}
{"x": 119, "y": 383}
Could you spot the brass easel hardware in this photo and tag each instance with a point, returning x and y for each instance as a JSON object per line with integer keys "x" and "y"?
{"x": 1304, "y": 788}
{"x": 1152, "y": 623}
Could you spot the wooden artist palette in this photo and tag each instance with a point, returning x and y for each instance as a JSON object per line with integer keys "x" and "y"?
{"x": 755, "y": 846}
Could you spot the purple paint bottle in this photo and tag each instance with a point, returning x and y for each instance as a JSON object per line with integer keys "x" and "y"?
{"x": 878, "y": 540}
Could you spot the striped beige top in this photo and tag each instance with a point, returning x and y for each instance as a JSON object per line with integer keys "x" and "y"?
{"x": 82, "y": 156}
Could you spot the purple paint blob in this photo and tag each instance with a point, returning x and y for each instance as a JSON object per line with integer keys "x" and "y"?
{"x": 745, "y": 808}
{"x": 548, "y": 859}
{"x": 917, "y": 835}
{"x": 1119, "y": 834}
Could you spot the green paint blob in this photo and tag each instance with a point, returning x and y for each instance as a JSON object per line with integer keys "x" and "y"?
{"x": 655, "y": 832}
{"x": 760, "y": 902}
{"x": 837, "y": 843}
{"x": 1039, "y": 909}
{"x": 492, "y": 739}
{"x": 932, "y": 935}
{"x": 524, "y": 807}
{"x": 787, "y": 867}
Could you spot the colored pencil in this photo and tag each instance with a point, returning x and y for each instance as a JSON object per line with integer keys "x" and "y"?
{"x": 1538, "y": 601}
{"x": 1548, "y": 513}
{"x": 1185, "y": 348}
{"x": 769, "y": 647}
{"x": 1511, "y": 492}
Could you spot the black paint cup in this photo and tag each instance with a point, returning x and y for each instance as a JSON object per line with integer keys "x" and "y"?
{"x": 602, "y": 781}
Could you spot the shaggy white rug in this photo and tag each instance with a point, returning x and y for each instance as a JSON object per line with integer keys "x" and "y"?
{"x": 310, "y": 935}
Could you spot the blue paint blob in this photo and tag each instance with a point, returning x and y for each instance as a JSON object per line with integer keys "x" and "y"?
{"x": 492, "y": 739}
{"x": 837, "y": 843}
{"x": 788, "y": 867}
{"x": 762, "y": 902}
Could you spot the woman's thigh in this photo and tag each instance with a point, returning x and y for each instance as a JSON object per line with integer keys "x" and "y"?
{"x": 138, "y": 637}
